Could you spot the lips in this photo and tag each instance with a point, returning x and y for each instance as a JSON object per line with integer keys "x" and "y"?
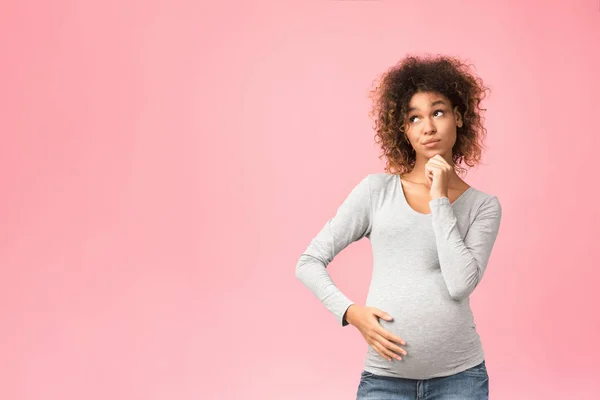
{"x": 430, "y": 142}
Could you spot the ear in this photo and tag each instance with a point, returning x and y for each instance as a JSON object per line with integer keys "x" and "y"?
{"x": 459, "y": 120}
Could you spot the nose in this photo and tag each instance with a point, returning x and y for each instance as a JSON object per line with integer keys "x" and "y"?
{"x": 428, "y": 126}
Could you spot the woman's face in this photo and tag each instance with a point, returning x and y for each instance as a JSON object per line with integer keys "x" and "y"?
{"x": 430, "y": 118}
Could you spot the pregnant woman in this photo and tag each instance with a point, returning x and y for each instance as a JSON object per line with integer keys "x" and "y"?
{"x": 431, "y": 235}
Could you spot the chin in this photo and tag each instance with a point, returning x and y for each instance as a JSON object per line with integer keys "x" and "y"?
{"x": 436, "y": 151}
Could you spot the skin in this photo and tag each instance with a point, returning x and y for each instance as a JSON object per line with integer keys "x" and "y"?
{"x": 434, "y": 169}
{"x": 433, "y": 176}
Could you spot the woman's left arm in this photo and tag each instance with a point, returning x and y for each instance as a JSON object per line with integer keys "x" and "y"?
{"x": 463, "y": 262}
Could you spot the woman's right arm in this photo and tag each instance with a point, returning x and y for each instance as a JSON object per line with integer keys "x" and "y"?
{"x": 352, "y": 222}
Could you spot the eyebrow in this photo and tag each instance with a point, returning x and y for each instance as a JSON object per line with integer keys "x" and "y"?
{"x": 432, "y": 104}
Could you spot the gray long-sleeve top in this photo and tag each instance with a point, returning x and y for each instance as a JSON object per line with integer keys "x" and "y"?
{"x": 425, "y": 266}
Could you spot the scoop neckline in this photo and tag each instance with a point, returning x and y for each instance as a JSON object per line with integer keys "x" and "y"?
{"x": 420, "y": 213}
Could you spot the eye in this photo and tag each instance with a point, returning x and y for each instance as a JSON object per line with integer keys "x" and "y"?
{"x": 436, "y": 111}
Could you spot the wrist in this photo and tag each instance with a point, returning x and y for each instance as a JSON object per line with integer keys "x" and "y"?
{"x": 348, "y": 314}
{"x": 439, "y": 195}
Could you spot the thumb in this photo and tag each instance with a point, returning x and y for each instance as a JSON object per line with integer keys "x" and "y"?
{"x": 382, "y": 314}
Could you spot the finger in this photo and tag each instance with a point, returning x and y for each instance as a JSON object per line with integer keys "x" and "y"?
{"x": 439, "y": 164}
{"x": 387, "y": 354}
{"x": 433, "y": 170}
{"x": 442, "y": 160}
{"x": 378, "y": 348}
{"x": 394, "y": 348}
{"x": 389, "y": 344}
{"x": 436, "y": 157}
{"x": 390, "y": 336}
{"x": 381, "y": 314}
{"x": 436, "y": 162}
{"x": 434, "y": 165}
{"x": 429, "y": 174}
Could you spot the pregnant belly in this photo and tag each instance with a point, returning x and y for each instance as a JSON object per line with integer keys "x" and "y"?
{"x": 429, "y": 330}
{"x": 439, "y": 331}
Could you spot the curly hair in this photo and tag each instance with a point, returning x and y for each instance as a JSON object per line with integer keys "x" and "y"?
{"x": 441, "y": 74}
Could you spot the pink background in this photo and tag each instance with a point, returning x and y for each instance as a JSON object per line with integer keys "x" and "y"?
{"x": 164, "y": 165}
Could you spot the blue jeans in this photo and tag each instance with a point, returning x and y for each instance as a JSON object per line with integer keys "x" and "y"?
{"x": 471, "y": 384}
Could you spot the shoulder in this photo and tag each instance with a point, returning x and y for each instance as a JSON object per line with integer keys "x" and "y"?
{"x": 380, "y": 180}
{"x": 372, "y": 184}
{"x": 485, "y": 202}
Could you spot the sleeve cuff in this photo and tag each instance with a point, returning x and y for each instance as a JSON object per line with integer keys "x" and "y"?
{"x": 439, "y": 201}
{"x": 344, "y": 321}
